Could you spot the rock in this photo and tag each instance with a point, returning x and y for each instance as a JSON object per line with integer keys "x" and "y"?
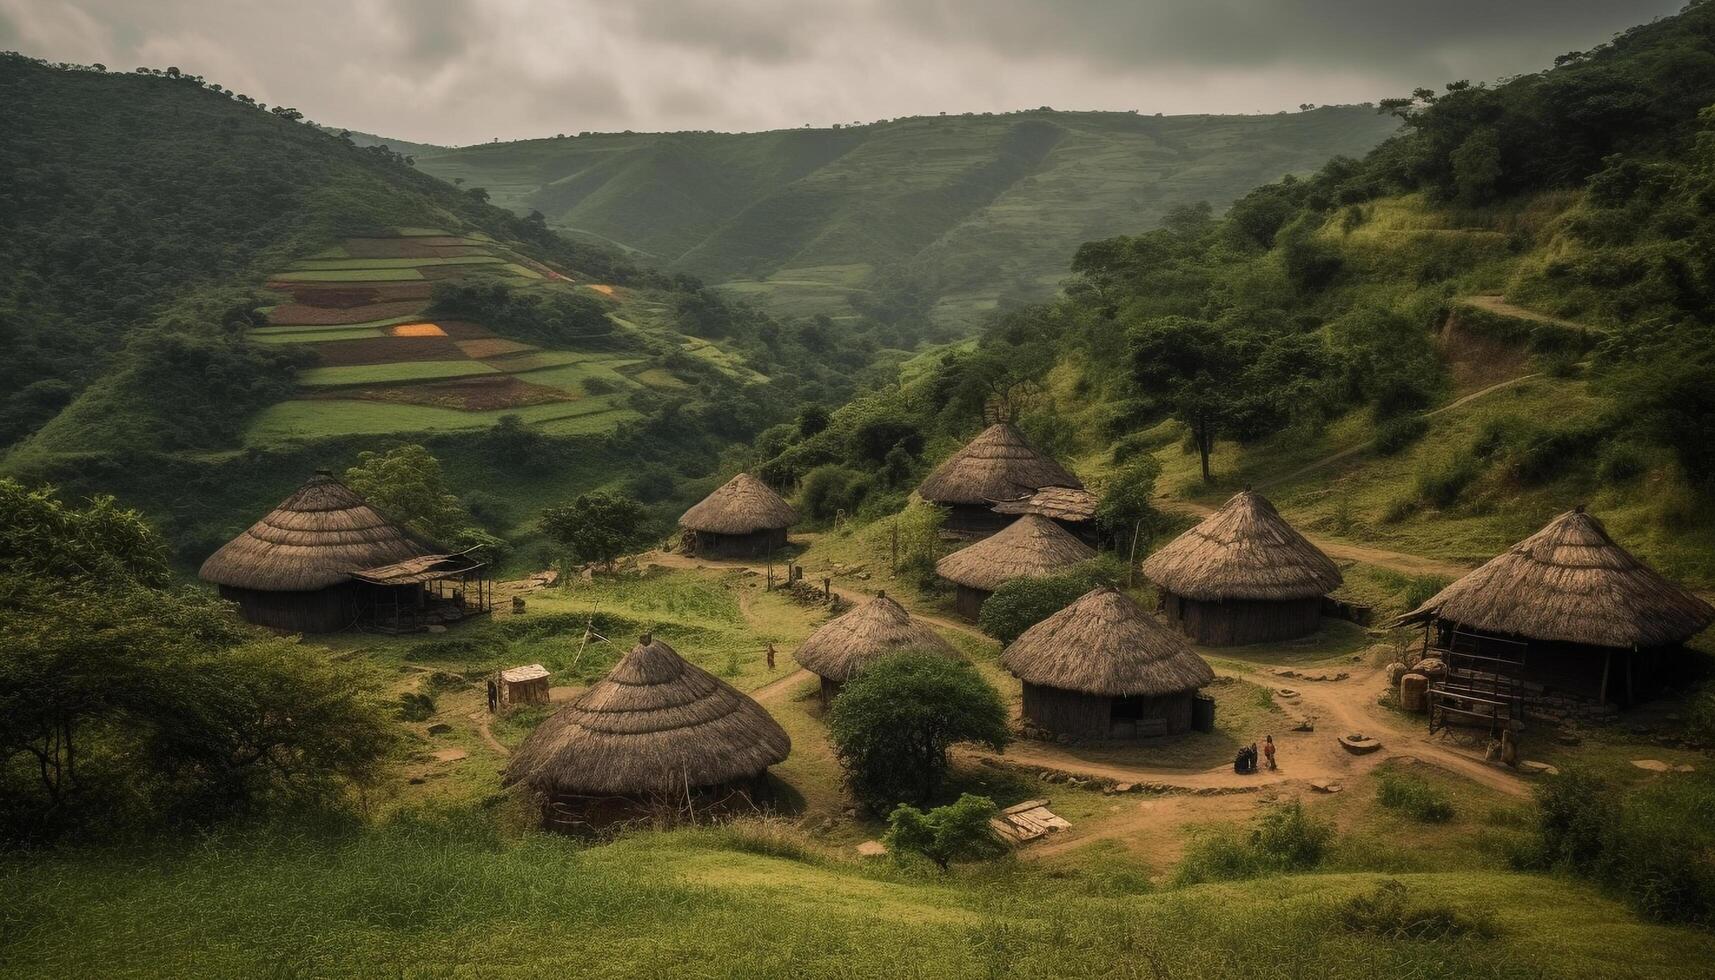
{"x": 872, "y": 848}
{"x": 1326, "y": 786}
{"x": 864, "y": 576}
{"x": 1307, "y": 725}
{"x": 1395, "y": 671}
{"x": 449, "y": 755}
{"x": 1430, "y": 666}
{"x": 1493, "y": 752}
{"x": 1124, "y": 787}
{"x": 440, "y": 728}
{"x": 1359, "y": 744}
{"x": 1652, "y": 765}
{"x": 1285, "y": 693}
{"x": 436, "y": 628}
{"x": 1531, "y": 767}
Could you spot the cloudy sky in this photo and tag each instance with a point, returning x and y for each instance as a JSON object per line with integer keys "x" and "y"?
{"x": 463, "y": 71}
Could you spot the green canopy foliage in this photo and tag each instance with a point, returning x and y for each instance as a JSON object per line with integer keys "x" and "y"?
{"x": 959, "y": 831}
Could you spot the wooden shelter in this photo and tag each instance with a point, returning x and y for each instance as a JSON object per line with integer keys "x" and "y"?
{"x": 1031, "y": 547}
{"x": 656, "y": 733}
{"x": 847, "y": 644}
{"x": 523, "y": 685}
{"x": 744, "y": 518}
{"x": 1243, "y": 575}
{"x": 1073, "y": 508}
{"x": 1565, "y": 612}
{"x": 325, "y": 560}
{"x": 1104, "y": 668}
{"x": 998, "y": 465}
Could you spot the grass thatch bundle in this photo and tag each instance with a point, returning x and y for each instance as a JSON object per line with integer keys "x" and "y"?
{"x": 1106, "y": 644}
{"x": 315, "y": 539}
{"x": 742, "y": 505}
{"x": 997, "y": 465}
{"x": 843, "y": 646}
{"x": 655, "y": 725}
{"x": 1570, "y": 583}
{"x": 1245, "y": 550}
{"x": 1070, "y": 504}
{"x": 1030, "y": 547}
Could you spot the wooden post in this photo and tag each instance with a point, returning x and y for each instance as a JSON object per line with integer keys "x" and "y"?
{"x": 1607, "y": 662}
{"x": 1131, "y": 563}
{"x": 828, "y": 589}
{"x": 1630, "y": 696}
{"x": 893, "y": 551}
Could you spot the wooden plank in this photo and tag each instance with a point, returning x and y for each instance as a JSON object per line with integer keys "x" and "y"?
{"x": 1026, "y": 805}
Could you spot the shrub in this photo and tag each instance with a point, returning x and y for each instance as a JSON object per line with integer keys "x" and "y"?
{"x": 959, "y": 831}
{"x": 1399, "y": 432}
{"x": 892, "y": 725}
{"x": 1420, "y": 589}
{"x": 832, "y": 489}
{"x": 1416, "y": 797}
{"x": 596, "y": 526}
{"x": 1440, "y": 483}
{"x": 1620, "y": 462}
{"x": 1022, "y": 603}
{"x": 1388, "y": 912}
{"x": 1285, "y": 839}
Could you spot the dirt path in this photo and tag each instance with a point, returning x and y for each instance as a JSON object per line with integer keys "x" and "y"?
{"x": 1498, "y": 304}
{"x": 1363, "y": 554}
{"x": 481, "y": 718}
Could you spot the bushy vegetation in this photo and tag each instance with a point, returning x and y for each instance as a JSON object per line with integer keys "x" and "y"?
{"x": 1285, "y": 839}
{"x": 1388, "y": 911}
{"x": 959, "y": 831}
{"x": 1022, "y": 603}
{"x": 1414, "y": 796}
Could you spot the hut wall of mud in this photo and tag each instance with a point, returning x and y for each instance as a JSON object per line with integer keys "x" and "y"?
{"x": 326, "y": 610}
{"x": 975, "y": 520}
{"x": 586, "y": 815}
{"x": 1240, "y": 621}
{"x": 969, "y": 601}
{"x": 1101, "y": 717}
{"x": 757, "y": 544}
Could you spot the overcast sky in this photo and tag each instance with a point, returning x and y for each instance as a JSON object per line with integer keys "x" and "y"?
{"x": 464, "y": 71}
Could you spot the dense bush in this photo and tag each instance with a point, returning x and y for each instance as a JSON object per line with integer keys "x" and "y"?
{"x": 833, "y": 490}
{"x": 1285, "y": 839}
{"x": 959, "y": 831}
{"x": 1022, "y": 603}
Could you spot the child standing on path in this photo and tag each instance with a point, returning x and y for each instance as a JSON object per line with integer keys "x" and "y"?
{"x": 1268, "y": 750}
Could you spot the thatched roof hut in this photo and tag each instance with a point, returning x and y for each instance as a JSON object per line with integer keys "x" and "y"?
{"x": 303, "y": 565}
{"x": 1243, "y": 575}
{"x": 1570, "y": 583}
{"x": 655, "y": 729}
{"x": 1073, "y": 508}
{"x": 744, "y": 518}
{"x": 998, "y": 465}
{"x": 1031, "y": 547}
{"x": 1103, "y": 667}
{"x": 845, "y": 645}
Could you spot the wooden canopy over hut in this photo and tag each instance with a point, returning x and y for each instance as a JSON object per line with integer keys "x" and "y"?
{"x": 845, "y": 645}
{"x": 744, "y": 518}
{"x": 656, "y": 731}
{"x": 997, "y": 465}
{"x": 325, "y": 560}
{"x": 1104, "y": 668}
{"x": 1567, "y": 610}
{"x": 1243, "y": 575}
{"x": 1031, "y": 547}
{"x": 1073, "y": 508}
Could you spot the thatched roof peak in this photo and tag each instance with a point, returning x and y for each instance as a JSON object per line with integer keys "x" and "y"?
{"x": 1104, "y": 643}
{"x": 656, "y": 724}
{"x": 998, "y": 464}
{"x": 1030, "y": 547}
{"x": 847, "y": 644}
{"x": 1245, "y": 550}
{"x": 316, "y": 538}
{"x": 742, "y": 505}
{"x": 1570, "y": 583}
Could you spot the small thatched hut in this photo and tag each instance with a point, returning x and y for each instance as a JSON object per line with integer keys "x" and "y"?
{"x": 742, "y": 519}
{"x": 1243, "y": 575}
{"x": 845, "y": 645}
{"x": 1031, "y": 547}
{"x": 656, "y": 732}
{"x": 1579, "y": 614}
{"x": 997, "y": 465}
{"x": 1073, "y": 508}
{"x": 325, "y": 560}
{"x": 1104, "y": 668}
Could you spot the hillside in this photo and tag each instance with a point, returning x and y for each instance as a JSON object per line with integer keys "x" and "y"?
{"x": 926, "y": 220}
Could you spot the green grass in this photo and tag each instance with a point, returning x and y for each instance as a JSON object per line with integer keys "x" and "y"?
{"x": 358, "y": 374}
{"x": 281, "y": 329}
{"x": 351, "y": 275}
{"x": 296, "y": 420}
{"x": 314, "y": 336}
{"x": 406, "y": 263}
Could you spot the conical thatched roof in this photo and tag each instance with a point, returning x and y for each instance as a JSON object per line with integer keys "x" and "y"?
{"x": 1570, "y": 583}
{"x": 1060, "y": 503}
{"x": 1245, "y": 550}
{"x": 1106, "y": 644}
{"x": 742, "y": 505}
{"x": 654, "y": 724}
{"x": 1030, "y": 547}
{"x": 316, "y": 538}
{"x": 996, "y": 465}
{"x": 845, "y": 645}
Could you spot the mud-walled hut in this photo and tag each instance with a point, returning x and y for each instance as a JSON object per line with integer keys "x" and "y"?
{"x": 1031, "y": 547}
{"x": 998, "y": 465}
{"x": 744, "y": 518}
{"x": 1103, "y": 668}
{"x": 1243, "y": 575}
{"x": 657, "y": 734}
{"x": 847, "y": 644}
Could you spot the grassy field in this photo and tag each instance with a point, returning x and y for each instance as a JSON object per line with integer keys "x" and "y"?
{"x": 364, "y": 274}
{"x": 334, "y": 417}
{"x": 359, "y": 374}
{"x": 350, "y": 263}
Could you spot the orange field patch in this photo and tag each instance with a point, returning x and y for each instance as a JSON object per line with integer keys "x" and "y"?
{"x": 602, "y": 288}
{"x": 491, "y": 347}
{"x": 417, "y": 330}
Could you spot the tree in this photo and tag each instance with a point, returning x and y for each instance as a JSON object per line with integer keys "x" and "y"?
{"x": 406, "y": 484}
{"x": 893, "y": 723}
{"x": 1193, "y": 369}
{"x": 957, "y": 831}
{"x": 1124, "y": 511}
{"x": 597, "y": 526}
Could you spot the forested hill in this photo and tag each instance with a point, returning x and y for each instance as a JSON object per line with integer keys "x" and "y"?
{"x": 925, "y": 220}
{"x": 1504, "y": 311}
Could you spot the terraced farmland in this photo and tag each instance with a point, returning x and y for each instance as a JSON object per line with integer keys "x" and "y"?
{"x": 384, "y": 365}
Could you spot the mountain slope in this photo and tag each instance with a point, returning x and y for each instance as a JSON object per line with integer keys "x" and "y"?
{"x": 945, "y": 215}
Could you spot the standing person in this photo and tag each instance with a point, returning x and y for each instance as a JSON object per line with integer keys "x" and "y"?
{"x": 1268, "y": 750}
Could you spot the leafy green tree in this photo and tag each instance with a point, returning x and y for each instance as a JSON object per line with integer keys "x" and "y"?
{"x": 42, "y": 537}
{"x": 1192, "y": 368}
{"x": 959, "y": 831}
{"x": 406, "y": 484}
{"x": 598, "y": 526}
{"x": 1022, "y": 603}
{"x": 832, "y": 489}
{"x": 1125, "y": 512}
{"x": 893, "y": 723}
